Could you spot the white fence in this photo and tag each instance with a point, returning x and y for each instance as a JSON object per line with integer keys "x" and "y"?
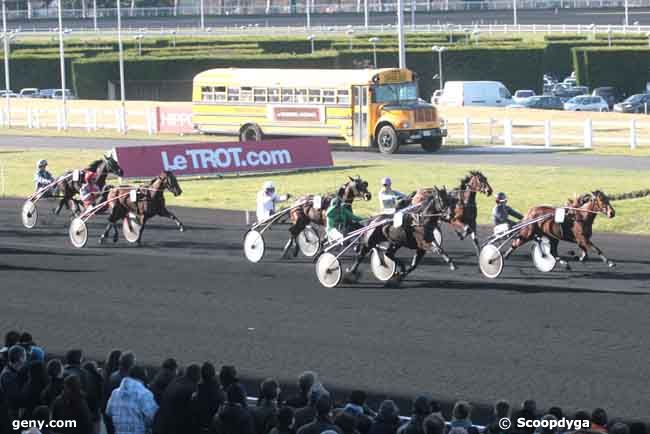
{"x": 550, "y": 133}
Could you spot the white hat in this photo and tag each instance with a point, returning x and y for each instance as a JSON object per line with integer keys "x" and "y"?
{"x": 386, "y": 181}
{"x": 268, "y": 185}
{"x": 41, "y": 163}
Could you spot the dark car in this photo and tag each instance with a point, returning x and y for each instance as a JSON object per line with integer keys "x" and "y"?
{"x": 46, "y": 93}
{"x": 610, "y": 94}
{"x": 635, "y": 104}
{"x": 544, "y": 102}
{"x": 565, "y": 92}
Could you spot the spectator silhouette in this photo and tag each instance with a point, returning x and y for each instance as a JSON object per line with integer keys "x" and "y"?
{"x": 266, "y": 412}
{"x": 126, "y": 362}
{"x": 11, "y": 338}
{"x": 356, "y": 407}
{"x": 306, "y": 414}
{"x": 387, "y": 420}
{"x": 36, "y": 383}
{"x": 285, "y": 421}
{"x": 94, "y": 391}
{"x": 460, "y": 418}
{"x": 111, "y": 365}
{"x": 55, "y": 383}
{"x": 528, "y": 411}
{"x": 207, "y": 399}
{"x": 167, "y": 372}
{"x": 599, "y": 420}
{"x": 501, "y": 410}
{"x": 234, "y": 417}
{"x": 421, "y": 409}
{"x": 131, "y": 407}
{"x": 227, "y": 376}
{"x": 322, "y": 422}
{"x": 347, "y": 421}
{"x": 305, "y": 382}
{"x": 73, "y": 359}
{"x": 619, "y": 428}
{"x": 175, "y": 414}
{"x": 13, "y": 379}
{"x": 71, "y": 405}
{"x": 434, "y": 424}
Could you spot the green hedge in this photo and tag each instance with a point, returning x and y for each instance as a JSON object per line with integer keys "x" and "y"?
{"x": 626, "y": 68}
{"x": 40, "y": 71}
{"x": 297, "y": 46}
{"x": 622, "y": 36}
{"x": 565, "y": 37}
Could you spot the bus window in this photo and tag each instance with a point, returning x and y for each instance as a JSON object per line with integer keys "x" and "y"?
{"x": 207, "y": 94}
{"x": 233, "y": 94}
{"x": 220, "y": 93}
{"x": 274, "y": 95}
{"x": 287, "y": 95}
{"x": 314, "y": 95}
{"x": 343, "y": 97}
{"x": 246, "y": 94}
{"x": 329, "y": 96}
{"x": 259, "y": 94}
{"x": 301, "y": 96}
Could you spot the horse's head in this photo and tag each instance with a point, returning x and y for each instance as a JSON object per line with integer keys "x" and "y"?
{"x": 171, "y": 183}
{"x": 356, "y": 188}
{"x": 478, "y": 182}
{"x": 112, "y": 166}
{"x": 601, "y": 204}
{"x": 438, "y": 204}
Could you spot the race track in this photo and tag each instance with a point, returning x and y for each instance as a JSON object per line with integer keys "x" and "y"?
{"x": 574, "y": 339}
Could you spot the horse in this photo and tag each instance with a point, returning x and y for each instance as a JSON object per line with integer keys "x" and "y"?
{"x": 463, "y": 204}
{"x": 150, "y": 202}
{"x": 306, "y": 214}
{"x": 415, "y": 233}
{"x": 576, "y": 228}
{"x": 70, "y": 188}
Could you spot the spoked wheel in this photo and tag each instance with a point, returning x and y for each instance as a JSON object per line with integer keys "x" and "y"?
{"x": 253, "y": 246}
{"x": 308, "y": 242}
{"x": 490, "y": 261}
{"x": 29, "y": 214}
{"x": 328, "y": 270}
{"x": 383, "y": 268}
{"x": 131, "y": 228}
{"x": 542, "y": 258}
{"x": 78, "y": 233}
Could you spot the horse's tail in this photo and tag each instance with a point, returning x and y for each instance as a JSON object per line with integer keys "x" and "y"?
{"x": 631, "y": 195}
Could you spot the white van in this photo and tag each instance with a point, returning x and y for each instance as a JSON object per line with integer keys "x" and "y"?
{"x": 475, "y": 93}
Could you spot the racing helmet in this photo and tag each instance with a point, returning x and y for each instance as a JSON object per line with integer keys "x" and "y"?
{"x": 89, "y": 176}
{"x": 386, "y": 182}
{"x": 41, "y": 163}
{"x": 501, "y": 197}
{"x": 268, "y": 185}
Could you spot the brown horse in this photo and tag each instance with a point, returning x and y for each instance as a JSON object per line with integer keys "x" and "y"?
{"x": 463, "y": 204}
{"x": 576, "y": 228}
{"x": 307, "y": 214}
{"x": 69, "y": 188}
{"x": 150, "y": 202}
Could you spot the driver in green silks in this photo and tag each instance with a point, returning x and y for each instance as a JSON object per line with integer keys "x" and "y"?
{"x": 340, "y": 217}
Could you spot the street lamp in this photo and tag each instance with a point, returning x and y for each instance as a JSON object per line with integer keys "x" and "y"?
{"x": 62, "y": 63}
{"x": 308, "y": 13}
{"x": 627, "y": 14}
{"x": 139, "y": 38}
{"x": 439, "y": 50}
{"x": 365, "y": 14}
{"x": 476, "y": 33}
{"x": 311, "y": 38}
{"x": 203, "y": 15}
{"x": 400, "y": 34}
{"x": 514, "y": 12}
{"x": 121, "y": 60}
{"x": 374, "y": 41}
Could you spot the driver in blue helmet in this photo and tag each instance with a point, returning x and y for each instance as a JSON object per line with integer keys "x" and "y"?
{"x": 43, "y": 178}
{"x": 502, "y": 212}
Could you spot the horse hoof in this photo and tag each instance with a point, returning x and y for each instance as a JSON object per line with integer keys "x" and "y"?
{"x": 611, "y": 264}
{"x": 452, "y": 266}
{"x": 351, "y": 277}
{"x": 101, "y": 240}
{"x": 181, "y": 229}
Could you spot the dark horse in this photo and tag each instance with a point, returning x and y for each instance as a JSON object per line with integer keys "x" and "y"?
{"x": 462, "y": 201}
{"x": 415, "y": 233}
{"x": 307, "y": 214}
{"x": 576, "y": 228}
{"x": 70, "y": 188}
{"x": 150, "y": 202}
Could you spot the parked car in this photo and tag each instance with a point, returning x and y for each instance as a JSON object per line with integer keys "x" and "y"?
{"x": 46, "y": 93}
{"x": 540, "y": 102}
{"x": 28, "y": 92}
{"x": 522, "y": 95}
{"x": 635, "y": 104}
{"x": 475, "y": 93}
{"x": 68, "y": 94}
{"x": 565, "y": 92}
{"x": 570, "y": 82}
{"x": 10, "y": 93}
{"x": 586, "y": 103}
{"x": 609, "y": 94}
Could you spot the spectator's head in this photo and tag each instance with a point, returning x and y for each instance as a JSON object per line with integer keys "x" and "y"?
{"x": 435, "y": 406}
{"x": 54, "y": 368}
{"x": 72, "y": 389}
{"x": 638, "y": 428}
{"x": 127, "y": 361}
{"x": 269, "y": 389}
{"x": 317, "y": 390}
{"x": 285, "y": 417}
{"x": 112, "y": 361}
{"x": 324, "y": 405}
{"x": 556, "y": 411}
{"x": 41, "y": 414}
{"x": 529, "y": 408}
{"x": 91, "y": 366}
{"x": 227, "y": 376}
{"x": 208, "y": 373}
{"x": 434, "y": 424}
{"x": 461, "y": 410}
{"x": 236, "y": 394}
{"x": 193, "y": 373}
{"x": 501, "y": 409}
{"x": 26, "y": 339}
{"x": 619, "y": 428}
{"x": 37, "y": 372}
{"x": 306, "y": 380}
{"x": 12, "y": 338}
{"x": 171, "y": 365}
{"x": 358, "y": 397}
{"x": 16, "y": 357}
{"x": 388, "y": 410}
{"x": 582, "y": 415}
{"x": 422, "y": 406}
{"x": 74, "y": 357}
{"x": 346, "y": 421}
{"x": 36, "y": 354}
{"x": 599, "y": 417}
{"x": 138, "y": 373}
{"x": 547, "y": 429}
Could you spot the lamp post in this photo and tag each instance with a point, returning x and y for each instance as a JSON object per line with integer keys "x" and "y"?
{"x": 95, "y": 15}
{"x": 139, "y": 37}
{"x": 627, "y": 14}
{"x": 400, "y": 34}
{"x": 308, "y": 12}
{"x": 202, "y": 12}
{"x": 311, "y": 38}
{"x": 121, "y": 60}
{"x": 514, "y": 12}
{"x": 439, "y": 50}
{"x": 5, "y": 37}
{"x": 374, "y": 41}
{"x": 365, "y": 14}
{"x": 62, "y": 63}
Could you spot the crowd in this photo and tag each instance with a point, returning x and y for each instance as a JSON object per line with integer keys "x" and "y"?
{"x": 122, "y": 398}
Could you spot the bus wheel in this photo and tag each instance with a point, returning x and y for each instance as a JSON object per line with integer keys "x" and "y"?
{"x": 250, "y": 133}
{"x": 432, "y": 145}
{"x": 387, "y": 140}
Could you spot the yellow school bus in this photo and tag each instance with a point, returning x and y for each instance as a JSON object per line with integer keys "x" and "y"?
{"x": 366, "y": 107}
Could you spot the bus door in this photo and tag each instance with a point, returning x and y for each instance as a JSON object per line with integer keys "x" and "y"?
{"x": 360, "y": 136}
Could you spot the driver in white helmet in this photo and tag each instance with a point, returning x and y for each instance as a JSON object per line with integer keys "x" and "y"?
{"x": 388, "y": 197}
{"x": 266, "y": 200}
{"x": 43, "y": 178}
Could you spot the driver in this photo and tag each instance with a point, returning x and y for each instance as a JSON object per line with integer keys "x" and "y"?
{"x": 388, "y": 197}
{"x": 89, "y": 190}
{"x": 340, "y": 217}
{"x": 266, "y": 200}
{"x": 502, "y": 212}
{"x": 43, "y": 178}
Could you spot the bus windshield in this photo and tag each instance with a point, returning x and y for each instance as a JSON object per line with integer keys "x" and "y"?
{"x": 395, "y": 93}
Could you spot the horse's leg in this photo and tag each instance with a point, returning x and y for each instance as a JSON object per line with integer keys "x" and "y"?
{"x": 444, "y": 255}
{"x": 294, "y": 230}
{"x": 143, "y": 220}
{"x": 111, "y": 225}
{"x": 458, "y": 225}
{"x": 170, "y": 215}
{"x": 472, "y": 233}
{"x": 417, "y": 258}
{"x": 554, "y": 243}
{"x": 358, "y": 259}
{"x": 604, "y": 258}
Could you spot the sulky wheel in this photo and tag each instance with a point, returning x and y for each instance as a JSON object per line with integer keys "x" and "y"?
{"x": 383, "y": 268}
{"x": 253, "y": 246}
{"x": 542, "y": 257}
{"x": 29, "y": 214}
{"x": 490, "y": 261}
{"x": 131, "y": 228}
{"x": 328, "y": 270}
{"x": 78, "y": 233}
{"x": 308, "y": 242}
